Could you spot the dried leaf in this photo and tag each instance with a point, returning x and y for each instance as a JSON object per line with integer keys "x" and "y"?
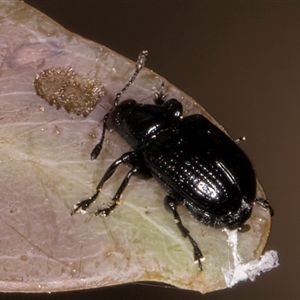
{"x": 45, "y": 169}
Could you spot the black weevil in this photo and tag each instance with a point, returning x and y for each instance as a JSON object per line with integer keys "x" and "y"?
{"x": 199, "y": 165}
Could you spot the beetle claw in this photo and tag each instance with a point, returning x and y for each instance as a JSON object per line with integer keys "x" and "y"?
{"x": 83, "y": 205}
{"x": 198, "y": 261}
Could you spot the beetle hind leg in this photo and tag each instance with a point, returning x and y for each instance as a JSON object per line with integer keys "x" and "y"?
{"x": 171, "y": 204}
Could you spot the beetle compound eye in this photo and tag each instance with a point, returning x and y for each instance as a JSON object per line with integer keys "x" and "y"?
{"x": 63, "y": 87}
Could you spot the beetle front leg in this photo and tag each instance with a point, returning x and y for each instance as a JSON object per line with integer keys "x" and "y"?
{"x": 83, "y": 205}
{"x": 139, "y": 169}
{"x": 171, "y": 204}
{"x": 116, "y": 199}
{"x": 133, "y": 159}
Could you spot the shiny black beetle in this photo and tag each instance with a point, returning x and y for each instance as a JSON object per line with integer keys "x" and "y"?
{"x": 197, "y": 163}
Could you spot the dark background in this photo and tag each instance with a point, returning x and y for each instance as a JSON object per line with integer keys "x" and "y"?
{"x": 239, "y": 60}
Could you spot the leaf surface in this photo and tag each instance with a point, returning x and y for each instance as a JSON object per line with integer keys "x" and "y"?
{"x": 46, "y": 168}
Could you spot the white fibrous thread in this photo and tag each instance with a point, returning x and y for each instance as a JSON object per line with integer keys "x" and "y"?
{"x": 242, "y": 271}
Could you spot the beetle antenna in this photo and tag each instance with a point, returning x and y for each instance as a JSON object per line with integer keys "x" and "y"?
{"x": 97, "y": 149}
{"x": 138, "y": 67}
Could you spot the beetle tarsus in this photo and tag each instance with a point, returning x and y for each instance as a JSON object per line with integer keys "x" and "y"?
{"x": 171, "y": 203}
{"x": 265, "y": 204}
{"x": 198, "y": 256}
{"x": 105, "y": 211}
{"x": 84, "y": 204}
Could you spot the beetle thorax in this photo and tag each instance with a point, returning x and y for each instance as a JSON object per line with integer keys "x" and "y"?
{"x": 137, "y": 123}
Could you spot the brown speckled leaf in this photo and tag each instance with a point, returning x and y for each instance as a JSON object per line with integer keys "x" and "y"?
{"x": 46, "y": 168}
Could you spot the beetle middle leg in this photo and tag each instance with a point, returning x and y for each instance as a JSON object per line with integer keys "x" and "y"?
{"x": 171, "y": 204}
{"x": 138, "y": 168}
